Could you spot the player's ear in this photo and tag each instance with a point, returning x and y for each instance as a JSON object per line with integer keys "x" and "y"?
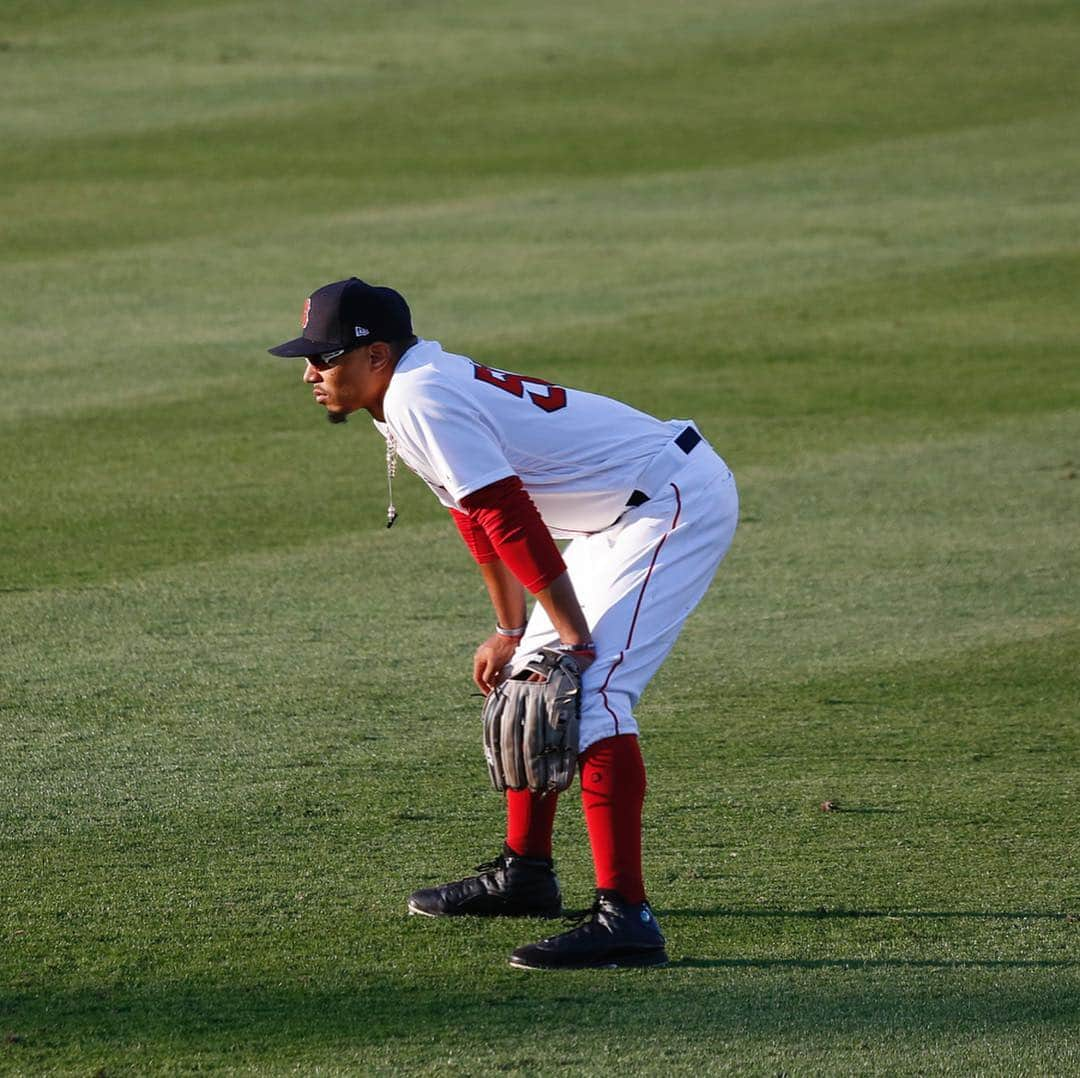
{"x": 380, "y": 355}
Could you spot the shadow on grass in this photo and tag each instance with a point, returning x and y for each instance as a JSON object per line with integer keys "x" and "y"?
{"x": 875, "y": 963}
{"x": 412, "y": 1018}
{"x": 824, "y": 912}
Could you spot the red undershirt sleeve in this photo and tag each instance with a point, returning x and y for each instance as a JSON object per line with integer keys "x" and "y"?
{"x": 514, "y": 531}
{"x": 475, "y": 538}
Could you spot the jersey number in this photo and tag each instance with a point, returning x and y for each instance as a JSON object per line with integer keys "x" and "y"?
{"x": 551, "y": 401}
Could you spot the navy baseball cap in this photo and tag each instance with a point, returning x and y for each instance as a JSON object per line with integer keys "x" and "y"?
{"x": 345, "y": 315}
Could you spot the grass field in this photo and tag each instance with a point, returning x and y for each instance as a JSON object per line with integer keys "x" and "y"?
{"x": 843, "y": 236}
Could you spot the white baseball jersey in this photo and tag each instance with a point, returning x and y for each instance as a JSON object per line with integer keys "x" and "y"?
{"x": 638, "y": 571}
{"x": 461, "y": 425}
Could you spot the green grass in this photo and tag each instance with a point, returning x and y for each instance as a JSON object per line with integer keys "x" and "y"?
{"x": 236, "y": 726}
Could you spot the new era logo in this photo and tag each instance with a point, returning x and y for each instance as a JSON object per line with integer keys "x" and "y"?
{"x": 361, "y": 331}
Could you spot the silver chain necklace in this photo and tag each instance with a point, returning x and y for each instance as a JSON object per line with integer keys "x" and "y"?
{"x": 391, "y": 471}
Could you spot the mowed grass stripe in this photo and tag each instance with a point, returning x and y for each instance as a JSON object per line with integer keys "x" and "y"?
{"x": 937, "y": 186}
{"x": 701, "y": 104}
{"x": 940, "y": 544}
{"x": 917, "y": 340}
{"x": 203, "y": 483}
{"x": 744, "y": 249}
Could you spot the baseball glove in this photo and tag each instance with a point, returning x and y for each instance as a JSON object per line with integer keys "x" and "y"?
{"x": 531, "y": 727}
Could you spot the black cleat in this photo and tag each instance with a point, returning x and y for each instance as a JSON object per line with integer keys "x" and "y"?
{"x": 509, "y": 886}
{"x": 616, "y": 934}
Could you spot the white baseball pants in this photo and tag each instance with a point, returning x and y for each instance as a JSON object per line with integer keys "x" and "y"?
{"x": 638, "y": 581}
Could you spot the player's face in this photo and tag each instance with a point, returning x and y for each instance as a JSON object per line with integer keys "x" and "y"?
{"x": 343, "y": 385}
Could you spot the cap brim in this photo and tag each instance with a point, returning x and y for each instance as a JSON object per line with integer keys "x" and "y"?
{"x": 301, "y": 346}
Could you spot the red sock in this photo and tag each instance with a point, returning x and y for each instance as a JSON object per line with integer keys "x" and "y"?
{"x": 612, "y": 793}
{"x": 530, "y": 820}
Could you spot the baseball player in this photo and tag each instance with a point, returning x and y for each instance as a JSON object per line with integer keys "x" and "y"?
{"x": 649, "y": 510}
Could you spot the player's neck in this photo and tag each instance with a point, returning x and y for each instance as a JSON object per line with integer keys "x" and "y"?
{"x": 376, "y": 405}
{"x": 383, "y": 375}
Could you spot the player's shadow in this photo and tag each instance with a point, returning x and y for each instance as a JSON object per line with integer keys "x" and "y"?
{"x": 827, "y": 912}
{"x": 856, "y": 964}
{"x": 872, "y": 963}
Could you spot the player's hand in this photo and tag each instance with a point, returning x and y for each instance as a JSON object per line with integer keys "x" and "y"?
{"x": 491, "y": 659}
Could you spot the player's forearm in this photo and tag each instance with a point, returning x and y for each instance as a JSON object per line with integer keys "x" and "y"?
{"x": 513, "y": 532}
{"x": 507, "y": 594}
{"x": 561, "y": 605}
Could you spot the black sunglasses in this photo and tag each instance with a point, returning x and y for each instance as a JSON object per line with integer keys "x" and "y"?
{"x": 327, "y": 359}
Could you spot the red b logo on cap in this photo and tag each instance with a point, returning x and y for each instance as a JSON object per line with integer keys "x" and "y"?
{"x": 304, "y": 313}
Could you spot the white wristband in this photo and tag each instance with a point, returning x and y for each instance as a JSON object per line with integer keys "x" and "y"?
{"x": 514, "y": 633}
